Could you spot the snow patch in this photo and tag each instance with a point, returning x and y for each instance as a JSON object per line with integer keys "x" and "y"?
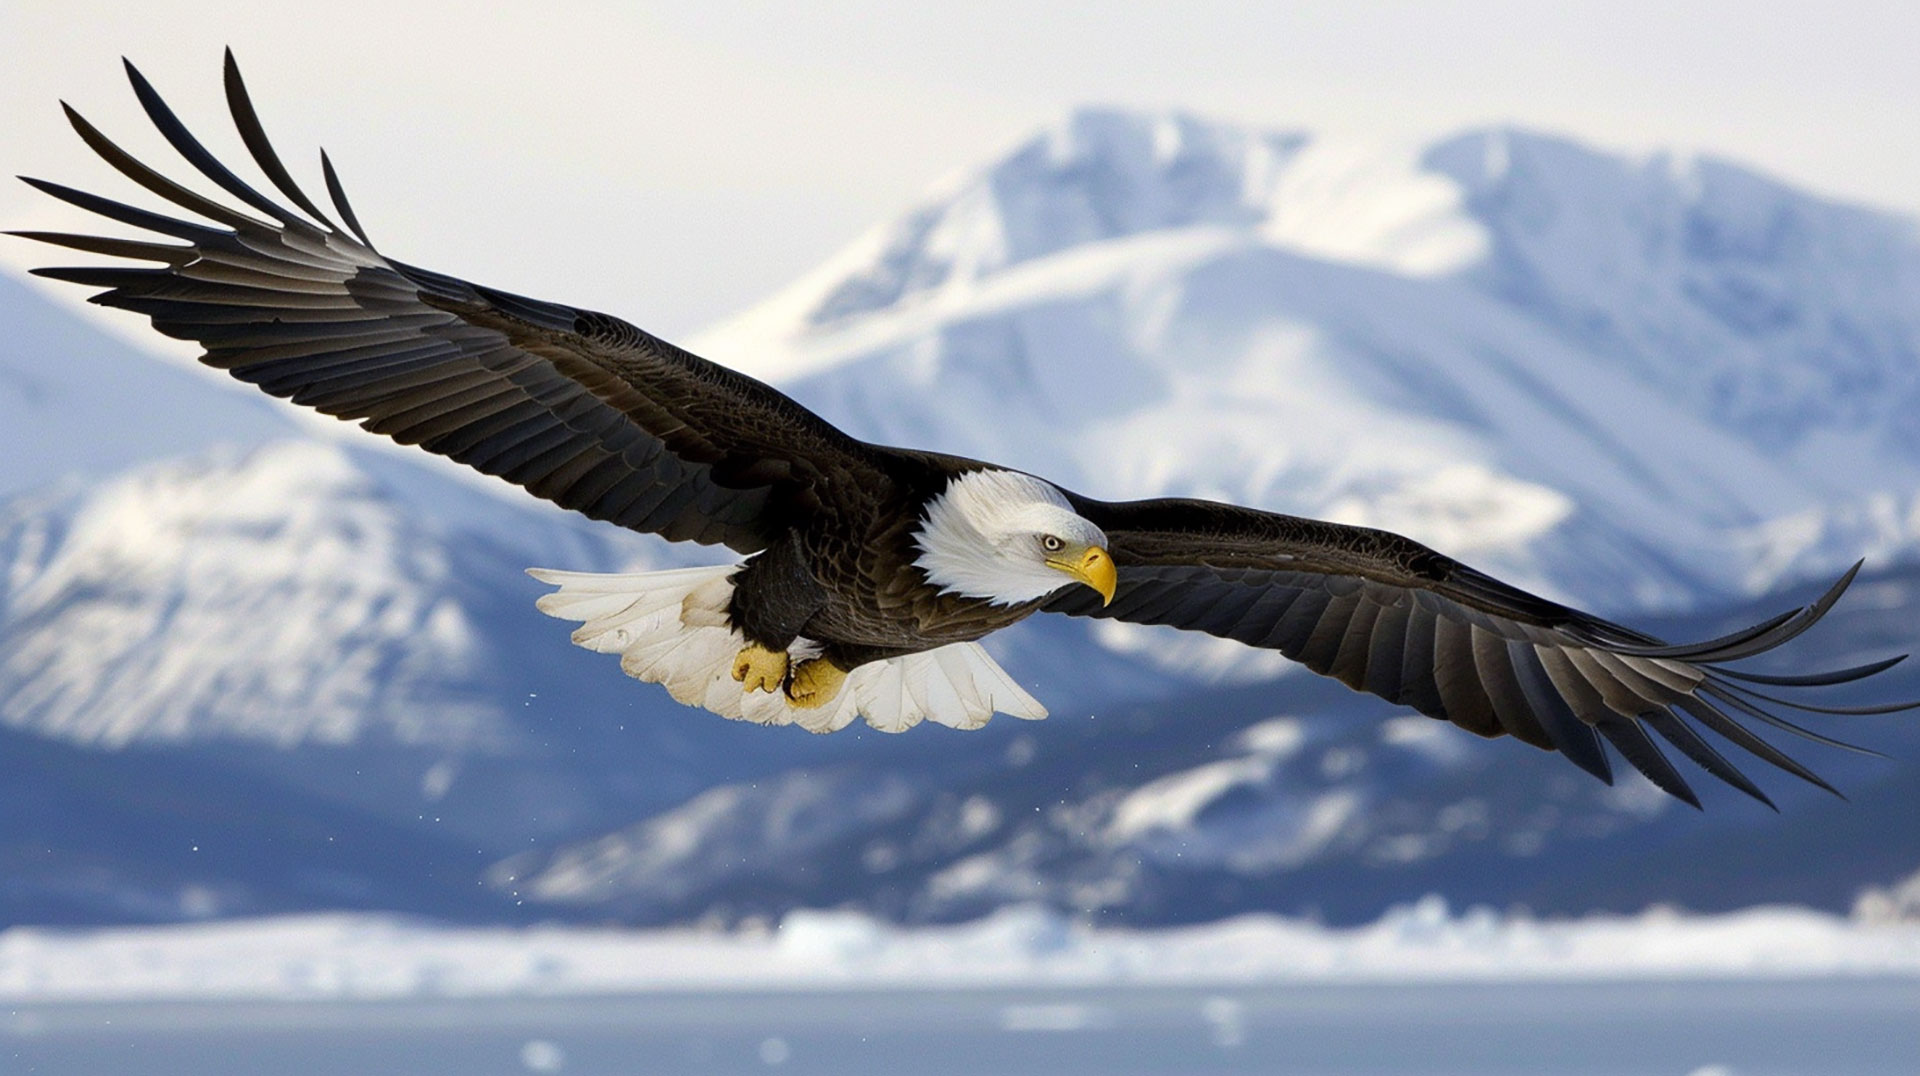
{"x": 1174, "y": 801}
{"x": 347, "y": 957}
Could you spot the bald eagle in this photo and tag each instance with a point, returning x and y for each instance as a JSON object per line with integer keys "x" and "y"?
{"x": 869, "y": 571}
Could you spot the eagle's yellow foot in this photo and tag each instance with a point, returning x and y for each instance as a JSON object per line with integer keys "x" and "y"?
{"x": 815, "y": 683}
{"x": 760, "y": 669}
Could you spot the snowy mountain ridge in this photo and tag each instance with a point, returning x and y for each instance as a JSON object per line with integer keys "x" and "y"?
{"x": 1596, "y": 373}
{"x": 288, "y": 594}
{"x": 1635, "y": 384}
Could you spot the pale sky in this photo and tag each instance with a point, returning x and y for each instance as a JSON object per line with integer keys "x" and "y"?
{"x": 674, "y": 162}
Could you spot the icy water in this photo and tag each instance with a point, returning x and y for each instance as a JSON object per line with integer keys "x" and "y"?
{"x": 1824, "y": 1028}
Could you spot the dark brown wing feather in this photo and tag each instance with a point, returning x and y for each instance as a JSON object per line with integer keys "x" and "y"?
{"x": 1386, "y": 615}
{"x": 580, "y": 408}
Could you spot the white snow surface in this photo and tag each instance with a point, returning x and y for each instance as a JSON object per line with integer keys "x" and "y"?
{"x": 1632, "y": 382}
{"x": 369, "y": 957}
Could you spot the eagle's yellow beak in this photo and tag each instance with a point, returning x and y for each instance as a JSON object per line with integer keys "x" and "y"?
{"x": 1091, "y": 566}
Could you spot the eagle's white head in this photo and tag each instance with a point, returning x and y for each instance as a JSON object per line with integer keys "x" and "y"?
{"x": 1010, "y": 538}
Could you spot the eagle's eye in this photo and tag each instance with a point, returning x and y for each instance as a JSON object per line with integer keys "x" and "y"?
{"x": 1052, "y": 544}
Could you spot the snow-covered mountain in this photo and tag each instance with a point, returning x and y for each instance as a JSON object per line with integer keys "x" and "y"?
{"x": 1648, "y": 385}
{"x": 284, "y": 596}
{"x": 1633, "y": 382}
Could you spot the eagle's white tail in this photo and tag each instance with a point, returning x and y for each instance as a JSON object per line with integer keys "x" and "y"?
{"x": 670, "y": 628}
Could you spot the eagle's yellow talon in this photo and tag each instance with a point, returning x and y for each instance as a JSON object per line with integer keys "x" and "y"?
{"x": 760, "y": 669}
{"x": 815, "y": 683}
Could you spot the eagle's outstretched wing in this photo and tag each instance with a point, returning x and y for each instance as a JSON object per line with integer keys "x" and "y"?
{"x": 1386, "y": 615}
{"x": 579, "y": 408}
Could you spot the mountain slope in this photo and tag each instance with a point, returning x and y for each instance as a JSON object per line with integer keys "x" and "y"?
{"x": 334, "y": 608}
{"x": 72, "y": 405}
